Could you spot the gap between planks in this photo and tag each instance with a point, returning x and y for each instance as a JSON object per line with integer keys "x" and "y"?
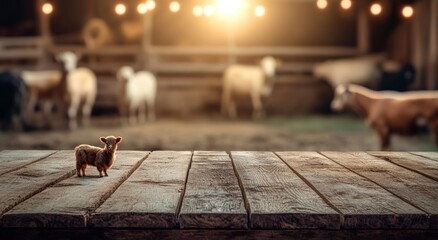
{"x": 342, "y": 217}
{"x": 394, "y": 192}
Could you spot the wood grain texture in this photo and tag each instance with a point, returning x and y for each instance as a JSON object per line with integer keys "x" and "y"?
{"x": 68, "y": 203}
{"x": 212, "y": 198}
{"x": 415, "y": 188}
{"x": 151, "y": 195}
{"x": 277, "y": 197}
{"x": 11, "y": 160}
{"x": 19, "y": 185}
{"x": 364, "y": 205}
{"x": 430, "y": 155}
{"x": 413, "y": 162}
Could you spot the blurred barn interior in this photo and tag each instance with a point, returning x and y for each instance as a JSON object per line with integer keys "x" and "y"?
{"x": 189, "y": 54}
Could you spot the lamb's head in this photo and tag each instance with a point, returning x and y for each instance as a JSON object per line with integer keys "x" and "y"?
{"x": 125, "y": 73}
{"x": 69, "y": 60}
{"x": 268, "y": 65}
{"x": 343, "y": 98}
{"x": 111, "y": 142}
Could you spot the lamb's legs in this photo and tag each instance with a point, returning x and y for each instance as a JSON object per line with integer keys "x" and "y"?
{"x": 100, "y": 171}
{"x": 142, "y": 112}
{"x": 83, "y": 169}
{"x": 132, "y": 114}
{"x": 385, "y": 137}
{"x": 106, "y": 174}
{"x": 225, "y": 102}
{"x": 257, "y": 106}
{"x": 47, "y": 109}
{"x": 151, "y": 110}
{"x": 78, "y": 170}
{"x": 86, "y": 110}
{"x": 72, "y": 111}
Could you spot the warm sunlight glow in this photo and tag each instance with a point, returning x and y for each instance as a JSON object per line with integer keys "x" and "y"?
{"x": 120, "y": 9}
{"x": 259, "y": 11}
{"x": 376, "y": 9}
{"x": 229, "y": 7}
{"x": 407, "y": 11}
{"x": 174, "y": 6}
{"x": 142, "y": 8}
{"x": 208, "y": 10}
{"x": 346, "y": 4}
{"x": 197, "y": 11}
{"x": 47, "y": 8}
{"x": 151, "y": 4}
{"x": 321, "y": 4}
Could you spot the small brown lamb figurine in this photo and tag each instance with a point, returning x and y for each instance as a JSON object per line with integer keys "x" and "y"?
{"x": 101, "y": 158}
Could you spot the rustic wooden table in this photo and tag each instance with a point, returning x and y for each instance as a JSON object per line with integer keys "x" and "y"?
{"x": 219, "y": 194}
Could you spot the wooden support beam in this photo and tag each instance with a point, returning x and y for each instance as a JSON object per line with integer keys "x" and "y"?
{"x": 432, "y": 64}
{"x": 363, "y": 29}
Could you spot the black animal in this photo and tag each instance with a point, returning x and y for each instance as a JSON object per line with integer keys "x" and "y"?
{"x": 398, "y": 81}
{"x": 13, "y": 94}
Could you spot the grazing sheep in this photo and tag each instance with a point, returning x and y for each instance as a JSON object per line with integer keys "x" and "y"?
{"x": 81, "y": 85}
{"x": 101, "y": 158}
{"x": 12, "y": 100}
{"x": 255, "y": 81}
{"x": 136, "y": 90}
{"x": 363, "y": 71}
{"x": 390, "y": 112}
{"x": 47, "y": 88}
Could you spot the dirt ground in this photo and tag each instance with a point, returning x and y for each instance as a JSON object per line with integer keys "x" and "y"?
{"x": 273, "y": 134}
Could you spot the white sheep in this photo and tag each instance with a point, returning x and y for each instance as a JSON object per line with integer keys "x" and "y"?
{"x": 136, "y": 90}
{"x": 81, "y": 85}
{"x": 255, "y": 81}
{"x": 363, "y": 71}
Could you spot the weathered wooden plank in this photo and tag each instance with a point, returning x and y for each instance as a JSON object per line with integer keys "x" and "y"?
{"x": 430, "y": 155}
{"x": 151, "y": 196}
{"x": 277, "y": 197}
{"x": 422, "y": 165}
{"x": 415, "y": 188}
{"x": 363, "y": 204}
{"x": 11, "y": 160}
{"x": 68, "y": 203}
{"x": 213, "y": 198}
{"x": 17, "y": 186}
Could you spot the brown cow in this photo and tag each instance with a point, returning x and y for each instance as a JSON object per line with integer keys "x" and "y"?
{"x": 390, "y": 112}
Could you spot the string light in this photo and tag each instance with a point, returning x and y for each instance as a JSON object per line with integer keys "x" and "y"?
{"x": 47, "y": 8}
{"x": 346, "y": 4}
{"x": 407, "y": 11}
{"x": 229, "y": 7}
{"x": 151, "y": 4}
{"x": 197, "y": 11}
{"x": 142, "y": 8}
{"x": 120, "y": 9}
{"x": 259, "y": 11}
{"x": 174, "y": 6}
{"x": 208, "y": 10}
{"x": 376, "y": 9}
{"x": 322, "y": 4}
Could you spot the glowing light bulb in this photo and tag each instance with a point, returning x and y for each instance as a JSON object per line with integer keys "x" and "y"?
{"x": 376, "y": 9}
{"x": 142, "y": 8}
{"x": 322, "y": 4}
{"x": 346, "y": 4}
{"x": 120, "y": 9}
{"x": 174, "y": 6}
{"x": 259, "y": 11}
{"x": 407, "y": 11}
{"x": 208, "y": 10}
{"x": 197, "y": 11}
{"x": 229, "y": 7}
{"x": 47, "y": 8}
{"x": 151, "y": 4}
